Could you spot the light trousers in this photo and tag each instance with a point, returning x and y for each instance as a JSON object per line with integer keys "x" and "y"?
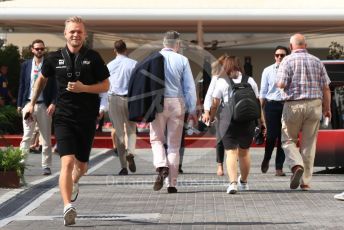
{"x": 119, "y": 116}
{"x": 43, "y": 121}
{"x": 301, "y": 116}
{"x": 171, "y": 118}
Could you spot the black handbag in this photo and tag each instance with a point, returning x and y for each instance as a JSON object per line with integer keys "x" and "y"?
{"x": 259, "y": 136}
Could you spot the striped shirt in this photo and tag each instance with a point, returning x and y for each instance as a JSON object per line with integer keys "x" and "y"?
{"x": 303, "y": 75}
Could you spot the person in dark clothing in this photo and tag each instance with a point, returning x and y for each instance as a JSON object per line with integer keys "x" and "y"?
{"x": 272, "y": 103}
{"x": 81, "y": 75}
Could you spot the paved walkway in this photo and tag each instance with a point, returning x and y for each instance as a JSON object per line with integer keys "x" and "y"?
{"x": 109, "y": 201}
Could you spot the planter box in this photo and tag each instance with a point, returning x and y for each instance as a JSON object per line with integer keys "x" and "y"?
{"x": 9, "y": 179}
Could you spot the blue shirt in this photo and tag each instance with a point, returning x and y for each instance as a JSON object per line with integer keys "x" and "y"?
{"x": 179, "y": 82}
{"x": 268, "y": 89}
{"x": 120, "y": 71}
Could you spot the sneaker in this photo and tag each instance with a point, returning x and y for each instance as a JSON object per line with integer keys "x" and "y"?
{"x": 69, "y": 215}
{"x": 172, "y": 190}
{"x": 34, "y": 151}
{"x": 232, "y": 188}
{"x": 242, "y": 186}
{"x": 339, "y": 196}
{"x": 75, "y": 192}
{"x": 159, "y": 181}
{"x": 124, "y": 171}
{"x": 295, "y": 178}
{"x": 131, "y": 162}
{"x": 46, "y": 171}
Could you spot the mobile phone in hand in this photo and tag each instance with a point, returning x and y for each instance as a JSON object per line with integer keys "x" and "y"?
{"x": 27, "y": 115}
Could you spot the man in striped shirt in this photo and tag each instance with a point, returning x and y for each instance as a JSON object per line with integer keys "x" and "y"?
{"x": 305, "y": 83}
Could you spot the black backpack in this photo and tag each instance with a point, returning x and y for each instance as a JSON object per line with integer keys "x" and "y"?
{"x": 246, "y": 106}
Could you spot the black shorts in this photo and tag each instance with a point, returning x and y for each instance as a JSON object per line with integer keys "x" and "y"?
{"x": 239, "y": 135}
{"x": 74, "y": 137}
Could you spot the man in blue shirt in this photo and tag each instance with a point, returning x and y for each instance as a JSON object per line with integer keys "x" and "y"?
{"x": 272, "y": 104}
{"x": 120, "y": 72}
{"x": 179, "y": 97}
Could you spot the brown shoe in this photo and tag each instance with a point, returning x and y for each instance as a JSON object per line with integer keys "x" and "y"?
{"x": 295, "y": 178}
{"x": 279, "y": 172}
{"x": 265, "y": 166}
{"x": 131, "y": 162}
{"x": 159, "y": 181}
{"x": 305, "y": 187}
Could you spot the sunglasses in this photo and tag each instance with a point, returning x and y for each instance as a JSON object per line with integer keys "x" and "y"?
{"x": 39, "y": 49}
{"x": 280, "y": 55}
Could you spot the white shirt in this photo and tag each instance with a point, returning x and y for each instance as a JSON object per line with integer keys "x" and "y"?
{"x": 35, "y": 72}
{"x": 222, "y": 86}
{"x": 208, "y": 97}
{"x": 120, "y": 72}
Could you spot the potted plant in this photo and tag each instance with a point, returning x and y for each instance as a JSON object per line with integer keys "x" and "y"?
{"x": 11, "y": 167}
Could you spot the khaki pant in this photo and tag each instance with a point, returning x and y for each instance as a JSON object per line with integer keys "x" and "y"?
{"x": 301, "y": 116}
{"x": 118, "y": 113}
{"x": 43, "y": 121}
{"x": 171, "y": 118}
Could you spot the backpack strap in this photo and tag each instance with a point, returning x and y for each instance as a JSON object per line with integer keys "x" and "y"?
{"x": 77, "y": 63}
{"x": 244, "y": 79}
{"x": 68, "y": 61}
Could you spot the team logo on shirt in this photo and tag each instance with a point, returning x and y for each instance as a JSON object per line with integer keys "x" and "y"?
{"x": 61, "y": 62}
{"x": 86, "y": 62}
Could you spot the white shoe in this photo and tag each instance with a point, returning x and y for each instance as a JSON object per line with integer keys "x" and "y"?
{"x": 232, "y": 188}
{"x": 69, "y": 215}
{"x": 75, "y": 192}
{"x": 339, "y": 196}
{"x": 242, "y": 186}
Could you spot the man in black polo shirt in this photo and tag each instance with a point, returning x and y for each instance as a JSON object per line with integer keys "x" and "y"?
{"x": 81, "y": 75}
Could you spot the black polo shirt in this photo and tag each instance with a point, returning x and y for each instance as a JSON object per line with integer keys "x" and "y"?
{"x": 76, "y": 106}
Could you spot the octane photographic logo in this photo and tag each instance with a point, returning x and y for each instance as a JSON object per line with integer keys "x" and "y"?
{"x": 195, "y": 138}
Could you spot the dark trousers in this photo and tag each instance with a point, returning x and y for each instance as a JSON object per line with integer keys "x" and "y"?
{"x": 273, "y": 114}
{"x": 220, "y": 152}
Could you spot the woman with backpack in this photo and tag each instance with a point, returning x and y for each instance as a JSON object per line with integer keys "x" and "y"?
{"x": 236, "y": 128}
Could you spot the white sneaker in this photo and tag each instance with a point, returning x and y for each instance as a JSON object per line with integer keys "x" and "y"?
{"x": 242, "y": 186}
{"x": 339, "y": 196}
{"x": 69, "y": 215}
{"x": 232, "y": 188}
{"x": 75, "y": 192}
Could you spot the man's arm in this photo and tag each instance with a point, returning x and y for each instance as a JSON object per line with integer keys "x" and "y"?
{"x": 36, "y": 91}
{"x": 327, "y": 102}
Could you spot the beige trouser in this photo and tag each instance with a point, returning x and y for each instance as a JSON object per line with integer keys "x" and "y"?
{"x": 43, "y": 121}
{"x": 118, "y": 113}
{"x": 171, "y": 118}
{"x": 301, "y": 116}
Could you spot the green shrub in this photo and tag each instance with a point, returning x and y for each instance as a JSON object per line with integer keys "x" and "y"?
{"x": 12, "y": 159}
{"x": 10, "y": 120}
